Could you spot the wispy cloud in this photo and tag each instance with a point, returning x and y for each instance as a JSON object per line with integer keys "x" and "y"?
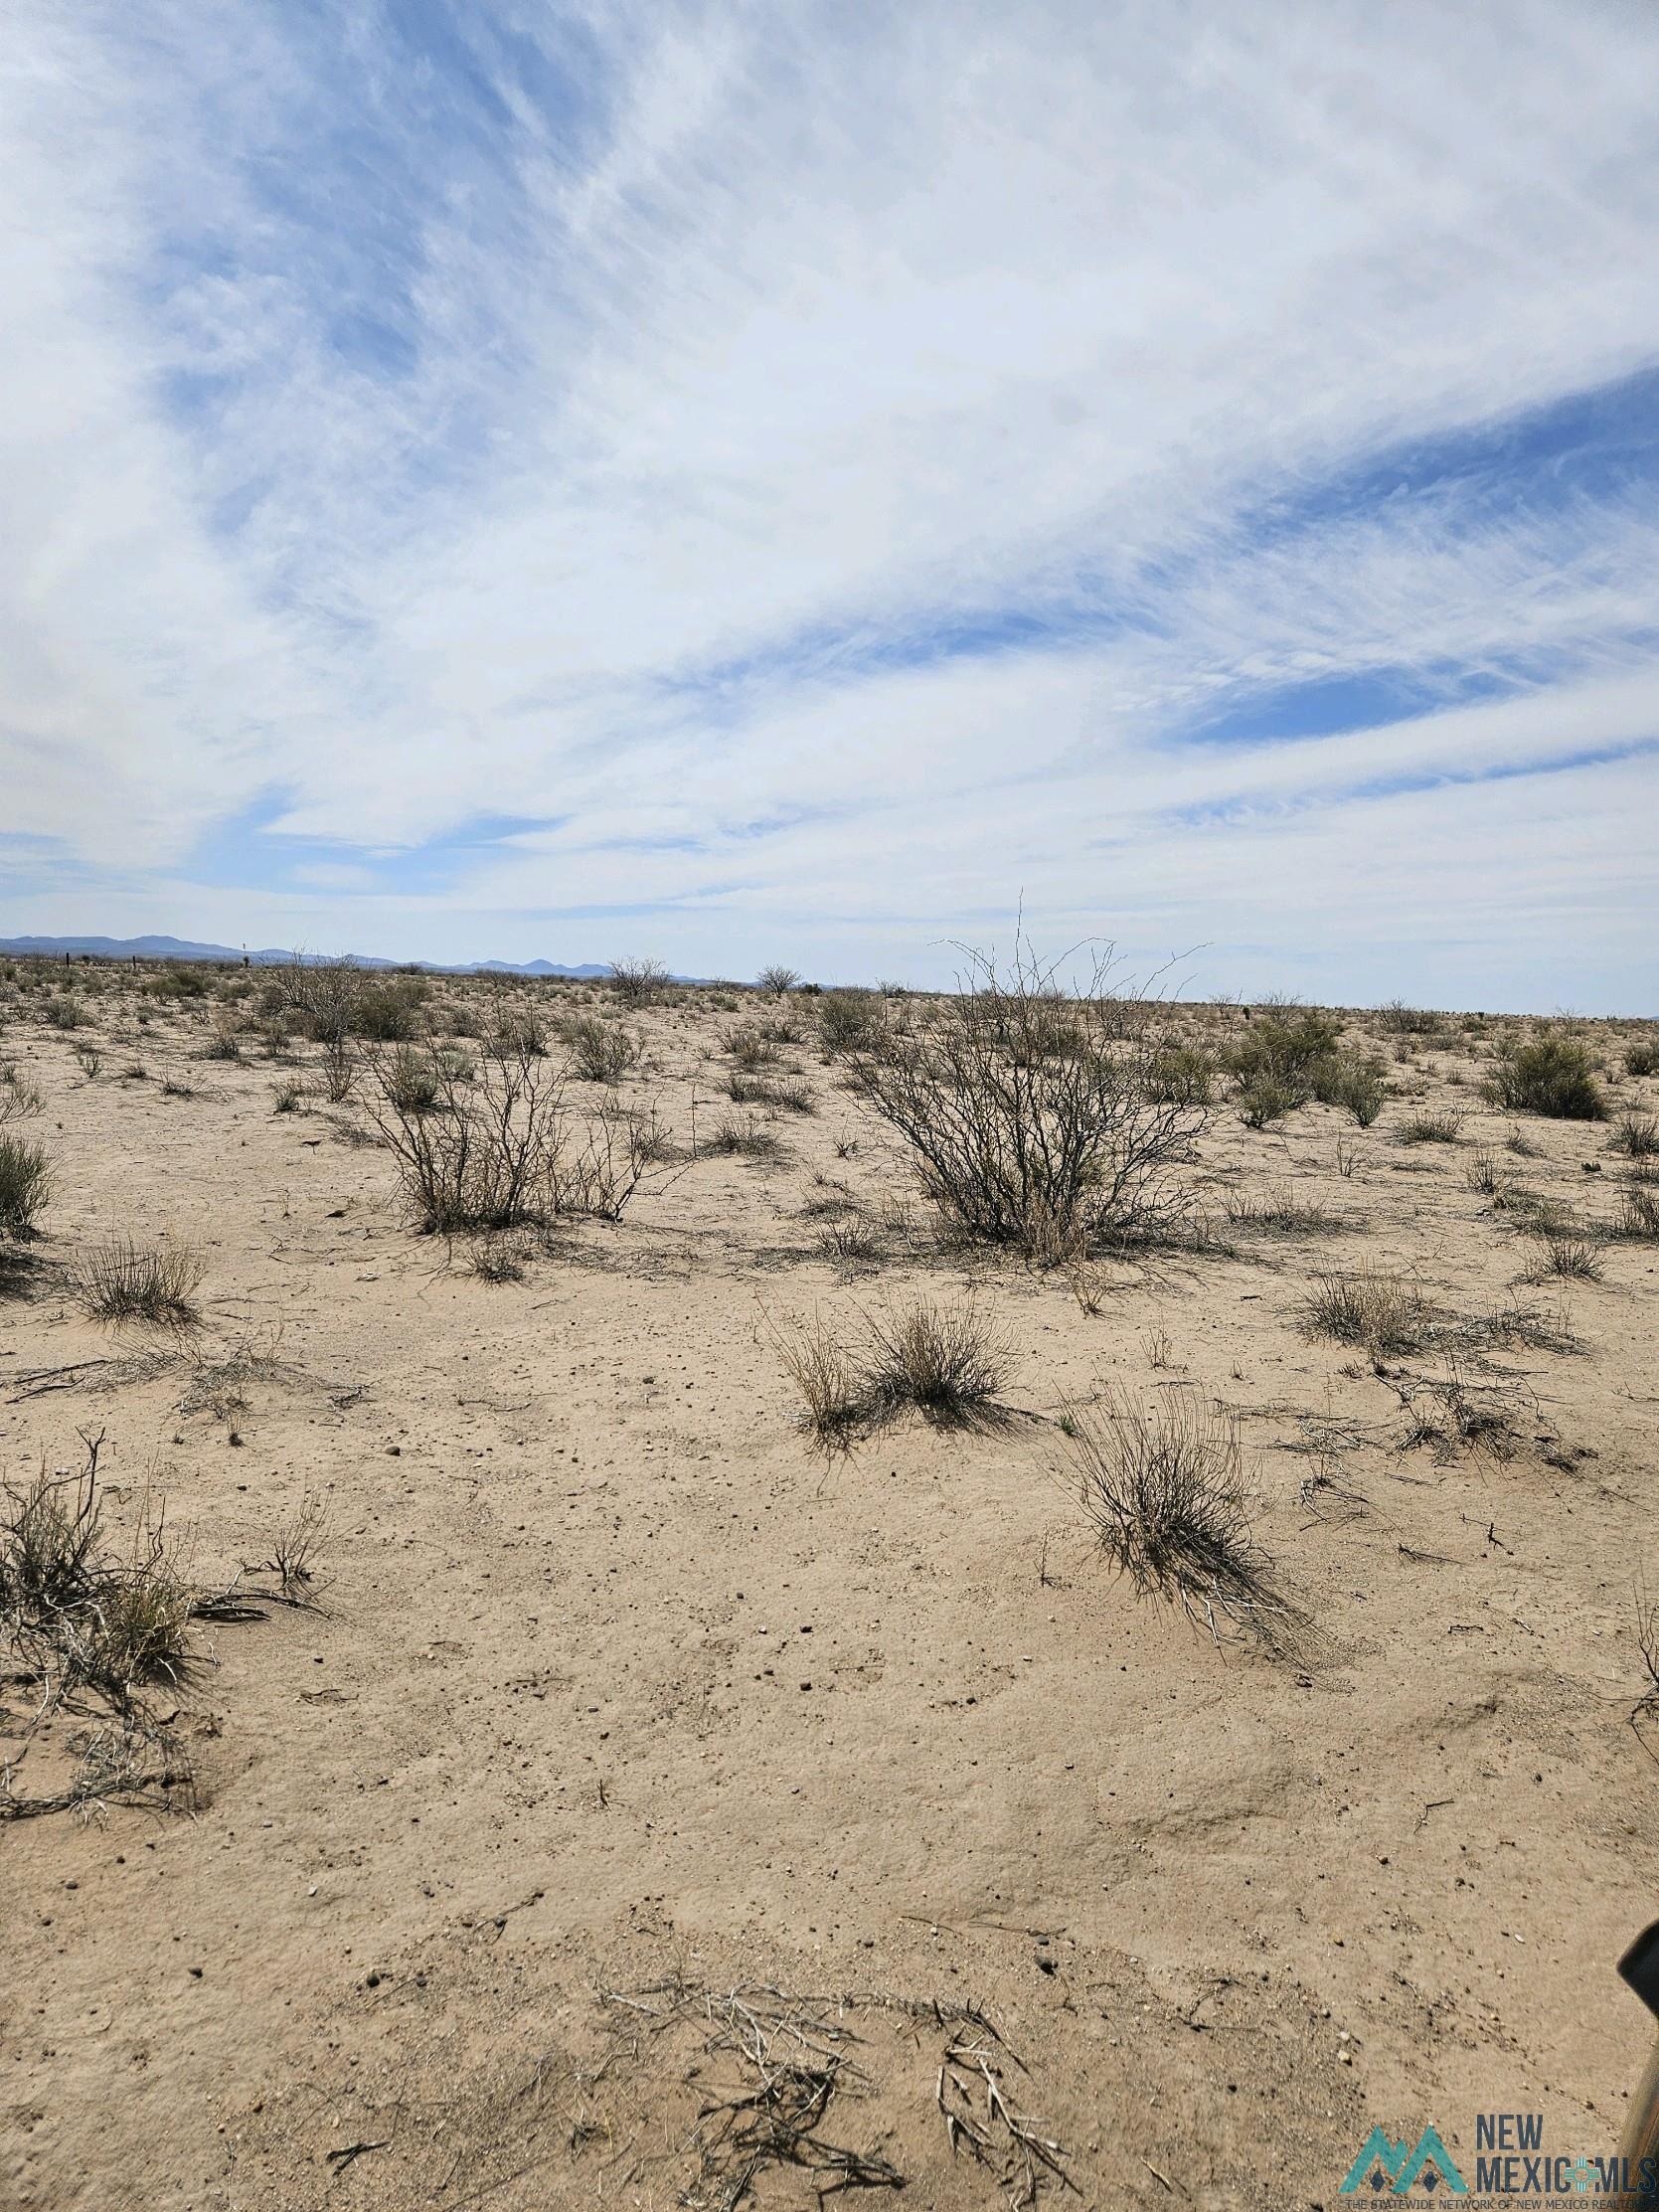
{"x": 555, "y": 478}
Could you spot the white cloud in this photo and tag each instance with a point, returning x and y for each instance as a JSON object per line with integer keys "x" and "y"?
{"x": 577, "y": 421}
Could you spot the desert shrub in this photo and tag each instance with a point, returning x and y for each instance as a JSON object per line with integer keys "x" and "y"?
{"x": 482, "y": 1156}
{"x": 748, "y": 1050}
{"x": 413, "y": 1081}
{"x": 25, "y": 1185}
{"x": 602, "y": 1174}
{"x": 1642, "y": 1057}
{"x": 64, "y": 1012}
{"x": 1163, "y": 1489}
{"x": 385, "y": 1013}
{"x": 518, "y": 1030}
{"x": 850, "y": 1021}
{"x": 224, "y": 1044}
{"x": 1355, "y": 1084}
{"x": 121, "y": 1280}
{"x": 1430, "y": 1128}
{"x": 1025, "y": 1118}
{"x": 637, "y": 979}
{"x": 1264, "y": 1102}
{"x": 1180, "y": 1074}
{"x": 1382, "y": 1312}
{"x": 1637, "y": 1136}
{"x": 288, "y": 1098}
{"x": 178, "y": 983}
{"x": 776, "y": 980}
{"x": 1551, "y": 1076}
{"x": 1283, "y": 1046}
{"x": 20, "y": 1098}
{"x": 601, "y": 1051}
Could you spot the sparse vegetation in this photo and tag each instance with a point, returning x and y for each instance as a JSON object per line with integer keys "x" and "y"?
{"x": 1383, "y": 1313}
{"x": 1550, "y": 1076}
{"x": 1027, "y": 1109}
{"x": 25, "y": 1185}
{"x": 1163, "y": 1487}
{"x": 121, "y": 1280}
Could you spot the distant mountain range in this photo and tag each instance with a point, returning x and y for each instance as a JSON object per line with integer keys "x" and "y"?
{"x": 180, "y": 949}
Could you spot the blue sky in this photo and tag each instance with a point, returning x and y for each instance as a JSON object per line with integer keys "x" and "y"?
{"x": 785, "y": 481}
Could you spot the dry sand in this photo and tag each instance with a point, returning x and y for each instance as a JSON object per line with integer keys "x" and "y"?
{"x": 619, "y": 1682}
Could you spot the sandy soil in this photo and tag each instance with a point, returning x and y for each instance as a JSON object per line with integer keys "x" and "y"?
{"x": 619, "y": 1684}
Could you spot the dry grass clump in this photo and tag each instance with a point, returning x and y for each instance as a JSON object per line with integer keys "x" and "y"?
{"x": 1281, "y": 1212}
{"x": 95, "y": 1631}
{"x": 25, "y": 1185}
{"x": 1430, "y": 1129}
{"x": 1574, "y": 1259}
{"x": 945, "y": 1360}
{"x": 1642, "y": 1057}
{"x": 1637, "y": 1136}
{"x": 1163, "y": 1487}
{"x": 1552, "y": 1076}
{"x": 744, "y": 1138}
{"x": 1637, "y": 1219}
{"x": 832, "y": 1391}
{"x": 122, "y": 1280}
{"x": 1381, "y": 1313}
{"x": 20, "y": 1098}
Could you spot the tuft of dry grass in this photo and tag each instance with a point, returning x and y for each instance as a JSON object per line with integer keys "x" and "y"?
{"x": 1281, "y": 1212}
{"x": 1382, "y": 1312}
{"x": 1163, "y": 1487}
{"x": 126, "y": 1281}
{"x": 25, "y": 1185}
{"x": 1430, "y": 1128}
{"x": 815, "y": 1361}
{"x": 1637, "y": 1136}
{"x": 946, "y": 1359}
{"x": 1574, "y": 1259}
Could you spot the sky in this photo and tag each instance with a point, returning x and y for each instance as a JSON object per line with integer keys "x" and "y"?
{"x": 801, "y": 482}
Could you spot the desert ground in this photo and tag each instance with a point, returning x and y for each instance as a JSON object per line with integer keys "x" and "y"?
{"x": 560, "y": 1769}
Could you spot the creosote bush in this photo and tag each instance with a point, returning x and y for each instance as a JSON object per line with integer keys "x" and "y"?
{"x": 1029, "y": 1108}
{"x": 1163, "y": 1487}
{"x": 601, "y": 1051}
{"x": 1551, "y": 1076}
